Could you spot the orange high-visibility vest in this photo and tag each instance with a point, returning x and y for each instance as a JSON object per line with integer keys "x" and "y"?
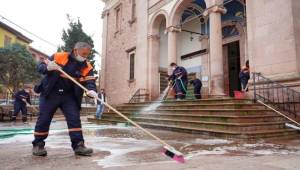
{"x": 62, "y": 59}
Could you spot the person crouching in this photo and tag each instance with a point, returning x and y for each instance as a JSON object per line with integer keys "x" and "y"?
{"x": 197, "y": 87}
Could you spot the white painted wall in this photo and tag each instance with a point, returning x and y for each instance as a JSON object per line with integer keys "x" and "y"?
{"x": 186, "y": 46}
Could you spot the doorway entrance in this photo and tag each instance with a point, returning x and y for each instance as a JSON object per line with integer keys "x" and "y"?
{"x": 232, "y": 67}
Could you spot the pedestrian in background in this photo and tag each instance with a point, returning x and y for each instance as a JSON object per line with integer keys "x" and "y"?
{"x": 100, "y": 104}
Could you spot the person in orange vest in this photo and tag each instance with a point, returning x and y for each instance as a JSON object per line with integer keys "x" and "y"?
{"x": 57, "y": 91}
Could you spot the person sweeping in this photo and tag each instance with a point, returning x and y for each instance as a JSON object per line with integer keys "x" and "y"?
{"x": 22, "y": 99}
{"x": 168, "y": 150}
{"x": 57, "y": 91}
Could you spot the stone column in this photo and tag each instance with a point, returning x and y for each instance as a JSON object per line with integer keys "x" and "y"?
{"x": 172, "y": 45}
{"x": 215, "y": 50}
{"x": 153, "y": 61}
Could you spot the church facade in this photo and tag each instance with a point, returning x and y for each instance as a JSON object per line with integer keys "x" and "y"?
{"x": 212, "y": 39}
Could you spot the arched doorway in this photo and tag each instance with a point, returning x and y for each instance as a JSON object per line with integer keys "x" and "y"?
{"x": 158, "y": 52}
{"x": 203, "y": 31}
{"x": 192, "y": 41}
{"x": 234, "y": 43}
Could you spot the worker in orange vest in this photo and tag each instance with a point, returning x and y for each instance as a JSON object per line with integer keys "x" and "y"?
{"x": 57, "y": 91}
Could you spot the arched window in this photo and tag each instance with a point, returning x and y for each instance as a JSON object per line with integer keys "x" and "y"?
{"x": 195, "y": 10}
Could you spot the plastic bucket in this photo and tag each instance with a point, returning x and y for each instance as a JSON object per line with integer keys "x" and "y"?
{"x": 239, "y": 95}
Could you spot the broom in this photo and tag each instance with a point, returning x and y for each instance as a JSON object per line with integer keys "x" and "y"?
{"x": 32, "y": 106}
{"x": 168, "y": 150}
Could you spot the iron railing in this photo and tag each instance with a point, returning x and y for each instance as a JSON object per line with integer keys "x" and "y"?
{"x": 275, "y": 94}
{"x": 141, "y": 95}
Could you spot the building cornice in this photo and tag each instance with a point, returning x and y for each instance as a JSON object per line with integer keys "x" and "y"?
{"x": 19, "y": 35}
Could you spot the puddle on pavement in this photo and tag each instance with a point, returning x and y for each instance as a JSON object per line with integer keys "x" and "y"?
{"x": 128, "y": 146}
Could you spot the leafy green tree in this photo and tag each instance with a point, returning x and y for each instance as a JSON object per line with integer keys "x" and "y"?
{"x": 75, "y": 34}
{"x": 17, "y": 67}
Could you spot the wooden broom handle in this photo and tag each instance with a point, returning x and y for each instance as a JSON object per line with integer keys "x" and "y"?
{"x": 33, "y": 107}
{"x": 116, "y": 111}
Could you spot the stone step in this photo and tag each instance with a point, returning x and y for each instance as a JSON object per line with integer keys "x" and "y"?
{"x": 163, "y": 86}
{"x": 226, "y": 133}
{"x": 204, "y": 118}
{"x": 256, "y": 134}
{"x": 252, "y": 126}
{"x": 197, "y": 106}
{"x": 191, "y": 103}
{"x": 215, "y": 125}
{"x": 164, "y": 71}
{"x": 199, "y": 113}
{"x": 202, "y": 101}
{"x": 209, "y": 118}
{"x": 207, "y": 111}
{"x": 163, "y": 79}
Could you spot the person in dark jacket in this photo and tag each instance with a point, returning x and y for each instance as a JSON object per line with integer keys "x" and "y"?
{"x": 57, "y": 91}
{"x": 247, "y": 65}
{"x": 197, "y": 87}
{"x": 100, "y": 105}
{"x": 180, "y": 78}
{"x": 244, "y": 77}
{"x": 22, "y": 99}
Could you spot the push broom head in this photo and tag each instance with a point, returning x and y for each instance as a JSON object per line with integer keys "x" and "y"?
{"x": 174, "y": 154}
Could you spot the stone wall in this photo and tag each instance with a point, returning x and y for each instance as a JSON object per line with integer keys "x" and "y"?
{"x": 116, "y": 59}
{"x": 296, "y": 17}
{"x": 271, "y": 38}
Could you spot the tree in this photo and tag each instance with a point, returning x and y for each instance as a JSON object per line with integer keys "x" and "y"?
{"x": 17, "y": 67}
{"x": 75, "y": 34}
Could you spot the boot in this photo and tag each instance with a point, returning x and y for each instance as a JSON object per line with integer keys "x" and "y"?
{"x": 39, "y": 149}
{"x": 82, "y": 150}
{"x": 24, "y": 119}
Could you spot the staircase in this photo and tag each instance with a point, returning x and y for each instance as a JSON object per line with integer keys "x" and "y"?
{"x": 163, "y": 82}
{"x": 229, "y": 118}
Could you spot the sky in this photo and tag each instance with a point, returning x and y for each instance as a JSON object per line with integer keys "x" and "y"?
{"x": 48, "y": 18}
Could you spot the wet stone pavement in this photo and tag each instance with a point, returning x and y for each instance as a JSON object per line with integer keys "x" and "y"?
{"x": 126, "y": 148}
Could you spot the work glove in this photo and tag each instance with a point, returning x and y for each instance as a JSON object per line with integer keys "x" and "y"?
{"x": 52, "y": 66}
{"x": 92, "y": 93}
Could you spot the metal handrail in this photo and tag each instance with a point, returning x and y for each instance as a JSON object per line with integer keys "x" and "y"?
{"x": 137, "y": 96}
{"x": 276, "y": 94}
